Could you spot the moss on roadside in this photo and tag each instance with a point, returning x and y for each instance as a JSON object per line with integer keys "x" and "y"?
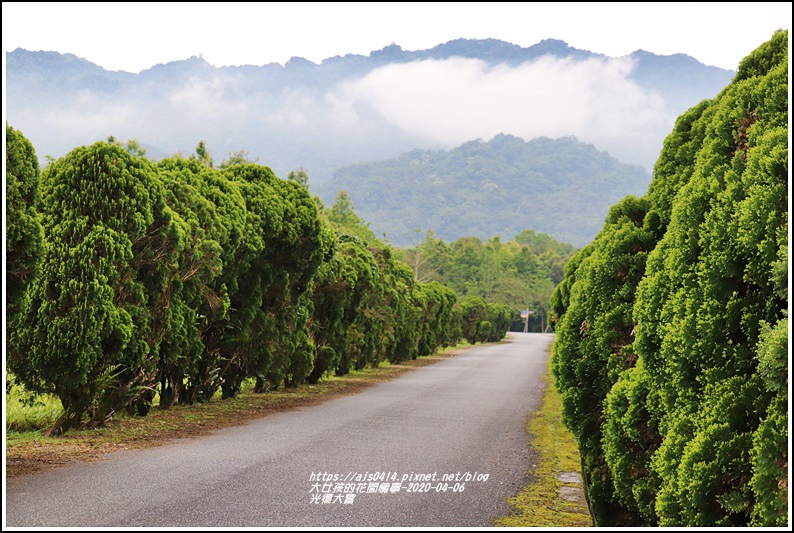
{"x": 555, "y": 452}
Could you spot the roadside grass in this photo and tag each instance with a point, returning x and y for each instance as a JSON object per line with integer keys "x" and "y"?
{"x": 26, "y": 411}
{"x": 28, "y": 451}
{"x": 540, "y": 504}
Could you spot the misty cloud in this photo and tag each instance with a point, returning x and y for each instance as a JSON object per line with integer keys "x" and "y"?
{"x": 199, "y": 97}
{"x": 323, "y": 117}
{"x": 448, "y": 102}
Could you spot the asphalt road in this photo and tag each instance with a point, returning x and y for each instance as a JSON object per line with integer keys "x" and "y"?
{"x": 441, "y": 446}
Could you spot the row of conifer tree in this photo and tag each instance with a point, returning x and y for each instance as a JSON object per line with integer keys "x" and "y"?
{"x": 128, "y": 278}
{"x": 672, "y": 325}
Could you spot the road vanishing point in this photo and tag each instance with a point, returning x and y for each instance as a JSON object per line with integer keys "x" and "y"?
{"x": 443, "y": 445}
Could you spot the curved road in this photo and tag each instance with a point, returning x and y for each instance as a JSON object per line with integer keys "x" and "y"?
{"x": 404, "y": 453}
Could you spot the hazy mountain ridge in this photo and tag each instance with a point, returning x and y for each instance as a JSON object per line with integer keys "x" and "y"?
{"x": 53, "y": 68}
{"x": 562, "y": 187}
{"x": 339, "y": 112}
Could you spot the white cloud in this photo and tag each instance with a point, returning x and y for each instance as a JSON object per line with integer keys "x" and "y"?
{"x": 199, "y": 98}
{"x": 453, "y": 101}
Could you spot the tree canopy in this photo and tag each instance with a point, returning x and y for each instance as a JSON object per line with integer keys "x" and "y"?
{"x": 133, "y": 279}
{"x": 672, "y": 324}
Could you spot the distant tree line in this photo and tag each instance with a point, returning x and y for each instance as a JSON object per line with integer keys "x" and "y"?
{"x": 672, "y": 327}
{"x": 129, "y": 278}
{"x": 520, "y": 274}
{"x": 480, "y": 188}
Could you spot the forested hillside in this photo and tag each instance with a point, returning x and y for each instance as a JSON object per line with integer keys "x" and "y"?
{"x": 672, "y": 325}
{"x": 562, "y": 187}
{"x": 520, "y": 273}
{"x": 130, "y": 279}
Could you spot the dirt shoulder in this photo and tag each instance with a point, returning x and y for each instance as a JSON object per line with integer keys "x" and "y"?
{"x": 28, "y": 453}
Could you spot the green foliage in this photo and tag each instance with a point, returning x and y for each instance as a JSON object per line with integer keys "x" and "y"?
{"x": 769, "y": 456}
{"x": 769, "y": 453}
{"x": 282, "y": 247}
{"x": 772, "y": 355}
{"x": 23, "y": 228}
{"x": 561, "y": 297}
{"x": 214, "y": 211}
{"x": 237, "y": 158}
{"x": 342, "y": 217}
{"x": 110, "y": 249}
{"x": 400, "y": 314}
{"x": 670, "y": 373}
{"x": 482, "y": 321}
{"x": 133, "y": 146}
{"x": 299, "y": 176}
{"x": 541, "y": 243}
{"x": 474, "y": 312}
{"x": 630, "y": 438}
{"x": 26, "y": 411}
{"x": 516, "y": 274}
{"x": 175, "y": 273}
{"x": 437, "y": 303}
{"x": 191, "y": 278}
{"x": 358, "y": 338}
{"x": 369, "y": 308}
{"x": 594, "y": 337}
{"x": 481, "y": 189}
{"x": 335, "y": 305}
{"x": 766, "y": 57}
{"x": 709, "y": 289}
{"x": 202, "y": 154}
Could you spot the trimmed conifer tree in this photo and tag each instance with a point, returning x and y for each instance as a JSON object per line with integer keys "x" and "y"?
{"x": 671, "y": 324}
{"x": 90, "y": 327}
{"x": 23, "y": 229}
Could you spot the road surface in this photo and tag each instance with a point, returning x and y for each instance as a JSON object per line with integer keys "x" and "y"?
{"x": 441, "y": 446}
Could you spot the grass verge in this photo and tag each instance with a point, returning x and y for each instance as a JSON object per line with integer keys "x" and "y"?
{"x": 28, "y": 451}
{"x": 549, "y": 501}
{"x": 27, "y": 412}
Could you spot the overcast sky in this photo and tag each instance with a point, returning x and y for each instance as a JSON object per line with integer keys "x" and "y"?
{"x": 136, "y": 36}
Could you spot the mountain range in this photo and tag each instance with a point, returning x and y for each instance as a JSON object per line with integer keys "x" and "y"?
{"x": 354, "y": 109}
{"x": 561, "y": 187}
